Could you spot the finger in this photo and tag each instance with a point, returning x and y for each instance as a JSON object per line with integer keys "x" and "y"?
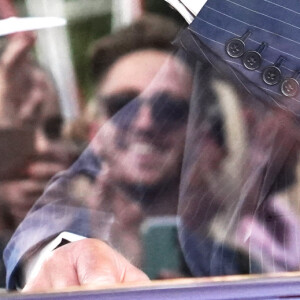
{"x": 283, "y": 211}
{"x": 260, "y": 242}
{"x": 31, "y": 107}
{"x": 18, "y": 190}
{"x": 20, "y": 195}
{"x": 252, "y": 234}
{"x": 102, "y": 274}
{"x": 95, "y": 263}
{"x": 44, "y": 170}
{"x": 37, "y": 285}
{"x": 57, "y": 272}
{"x": 100, "y": 265}
{"x": 133, "y": 274}
{"x": 87, "y": 262}
{"x": 17, "y": 50}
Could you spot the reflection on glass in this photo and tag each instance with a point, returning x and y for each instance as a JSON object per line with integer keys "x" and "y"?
{"x": 178, "y": 164}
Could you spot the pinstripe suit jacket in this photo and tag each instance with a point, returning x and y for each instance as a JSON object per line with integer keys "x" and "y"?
{"x": 275, "y": 23}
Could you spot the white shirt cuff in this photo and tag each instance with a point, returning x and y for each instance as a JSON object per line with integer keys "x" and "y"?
{"x": 34, "y": 263}
{"x": 187, "y": 8}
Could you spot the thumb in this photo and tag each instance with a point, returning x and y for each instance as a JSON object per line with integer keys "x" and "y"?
{"x": 104, "y": 266}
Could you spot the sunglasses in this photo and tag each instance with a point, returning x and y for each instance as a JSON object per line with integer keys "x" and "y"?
{"x": 167, "y": 110}
{"x": 52, "y": 127}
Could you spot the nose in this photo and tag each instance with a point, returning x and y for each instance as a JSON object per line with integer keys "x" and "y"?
{"x": 144, "y": 120}
{"x": 43, "y": 146}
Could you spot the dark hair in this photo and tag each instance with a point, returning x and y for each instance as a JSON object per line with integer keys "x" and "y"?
{"x": 149, "y": 32}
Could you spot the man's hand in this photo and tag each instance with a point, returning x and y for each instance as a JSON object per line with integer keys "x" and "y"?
{"x": 89, "y": 263}
{"x": 273, "y": 242}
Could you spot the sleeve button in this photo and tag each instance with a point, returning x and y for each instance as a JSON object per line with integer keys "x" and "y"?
{"x": 235, "y": 47}
{"x": 252, "y": 59}
{"x": 290, "y": 87}
{"x": 271, "y": 75}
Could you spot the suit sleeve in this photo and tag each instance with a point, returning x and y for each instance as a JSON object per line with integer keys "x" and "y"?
{"x": 56, "y": 211}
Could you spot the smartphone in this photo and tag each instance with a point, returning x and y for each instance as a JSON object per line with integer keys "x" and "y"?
{"x": 161, "y": 248}
{"x": 16, "y": 146}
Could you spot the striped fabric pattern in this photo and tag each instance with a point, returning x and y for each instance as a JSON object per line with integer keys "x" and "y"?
{"x": 275, "y": 22}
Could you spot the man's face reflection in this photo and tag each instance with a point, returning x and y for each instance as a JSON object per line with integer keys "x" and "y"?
{"x": 145, "y": 96}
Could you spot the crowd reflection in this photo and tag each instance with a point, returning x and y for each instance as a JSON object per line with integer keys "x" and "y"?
{"x": 143, "y": 102}
{"x": 172, "y": 136}
{"x": 239, "y": 215}
{"x": 29, "y": 101}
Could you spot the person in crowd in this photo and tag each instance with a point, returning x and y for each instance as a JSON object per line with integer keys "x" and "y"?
{"x": 140, "y": 189}
{"x": 29, "y": 112}
{"x": 28, "y": 86}
{"x": 145, "y": 164}
{"x": 146, "y": 189}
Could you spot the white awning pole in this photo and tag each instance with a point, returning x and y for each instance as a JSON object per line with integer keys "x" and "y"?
{"x": 124, "y": 12}
{"x": 54, "y": 52}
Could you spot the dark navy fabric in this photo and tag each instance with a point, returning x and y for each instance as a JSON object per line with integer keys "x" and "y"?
{"x": 276, "y": 23}
{"x": 206, "y": 257}
{"x": 218, "y": 22}
{"x": 88, "y": 164}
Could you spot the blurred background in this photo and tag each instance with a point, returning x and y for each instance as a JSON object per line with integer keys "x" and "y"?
{"x": 87, "y": 20}
{"x": 54, "y": 96}
{"x": 47, "y": 116}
